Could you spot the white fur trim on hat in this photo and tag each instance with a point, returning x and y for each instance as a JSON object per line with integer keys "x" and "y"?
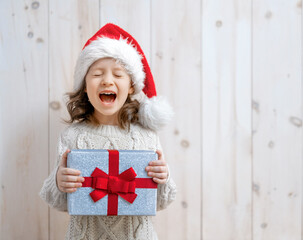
{"x": 155, "y": 113}
{"x": 120, "y": 50}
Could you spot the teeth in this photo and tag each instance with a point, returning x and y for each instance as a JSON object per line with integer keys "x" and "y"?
{"x": 108, "y": 93}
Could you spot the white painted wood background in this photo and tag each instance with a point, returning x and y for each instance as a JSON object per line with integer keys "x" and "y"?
{"x": 232, "y": 71}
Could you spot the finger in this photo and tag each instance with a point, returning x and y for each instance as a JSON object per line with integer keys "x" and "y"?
{"x": 69, "y": 190}
{"x": 159, "y": 169}
{"x": 159, "y": 181}
{"x": 70, "y": 185}
{"x": 159, "y": 152}
{"x": 157, "y": 163}
{"x": 64, "y": 158}
{"x": 70, "y": 171}
{"x": 157, "y": 175}
{"x": 70, "y": 178}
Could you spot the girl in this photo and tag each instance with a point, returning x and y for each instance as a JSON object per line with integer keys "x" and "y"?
{"x": 113, "y": 106}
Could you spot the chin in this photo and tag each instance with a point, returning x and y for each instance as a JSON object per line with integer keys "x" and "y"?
{"x": 108, "y": 113}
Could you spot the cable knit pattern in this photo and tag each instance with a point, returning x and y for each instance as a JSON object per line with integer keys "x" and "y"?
{"x": 86, "y": 136}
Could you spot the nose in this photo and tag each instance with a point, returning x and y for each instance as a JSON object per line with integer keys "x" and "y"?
{"x": 107, "y": 80}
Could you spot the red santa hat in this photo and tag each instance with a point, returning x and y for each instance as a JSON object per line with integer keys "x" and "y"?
{"x": 112, "y": 41}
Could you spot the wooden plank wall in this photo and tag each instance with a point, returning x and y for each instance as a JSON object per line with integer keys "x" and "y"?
{"x": 277, "y": 119}
{"x": 226, "y": 122}
{"x": 232, "y": 71}
{"x": 24, "y": 118}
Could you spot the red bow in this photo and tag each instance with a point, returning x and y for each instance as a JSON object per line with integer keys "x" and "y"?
{"x": 124, "y": 184}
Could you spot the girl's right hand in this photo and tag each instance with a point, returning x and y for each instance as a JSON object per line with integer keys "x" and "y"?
{"x": 68, "y": 179}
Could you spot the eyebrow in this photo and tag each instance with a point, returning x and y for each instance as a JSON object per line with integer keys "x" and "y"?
{"x": 115, "y": 68}
{"x": 118, "y": 68}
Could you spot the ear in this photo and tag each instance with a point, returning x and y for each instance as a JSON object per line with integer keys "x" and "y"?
{"x": 131, "y": 90}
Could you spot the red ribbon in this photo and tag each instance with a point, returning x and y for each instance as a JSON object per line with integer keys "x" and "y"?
{"x": 115, "y": 184}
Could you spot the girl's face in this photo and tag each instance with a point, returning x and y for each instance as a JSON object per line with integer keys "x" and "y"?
{"x": 107, "y": 87}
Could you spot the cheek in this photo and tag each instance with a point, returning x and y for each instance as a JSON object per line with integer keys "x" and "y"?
{"x": 91, "y": 85}
{"x": 125, "y": 89}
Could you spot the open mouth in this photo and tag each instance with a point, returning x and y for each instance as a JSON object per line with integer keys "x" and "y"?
{"x": 107, "y": 97}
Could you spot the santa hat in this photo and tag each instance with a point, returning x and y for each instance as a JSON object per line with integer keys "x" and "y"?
{"x": 112, "y": 41}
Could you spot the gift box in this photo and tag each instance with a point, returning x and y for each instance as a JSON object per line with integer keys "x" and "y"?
{"x": 116, "y": 182}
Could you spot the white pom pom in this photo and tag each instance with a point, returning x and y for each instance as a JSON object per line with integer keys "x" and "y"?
{"x": 155, "y": 113}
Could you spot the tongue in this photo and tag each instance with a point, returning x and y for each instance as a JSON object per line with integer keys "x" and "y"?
{"x": 107, "y": 98}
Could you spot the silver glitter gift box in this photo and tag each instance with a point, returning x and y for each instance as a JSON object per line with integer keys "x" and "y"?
{"x": 116, "y": 182}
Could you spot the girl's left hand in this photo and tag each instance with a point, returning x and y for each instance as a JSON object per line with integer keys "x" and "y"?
{"x": 158, "y": 169}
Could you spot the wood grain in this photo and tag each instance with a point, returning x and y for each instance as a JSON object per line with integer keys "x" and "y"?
{"x": 226, "y": 111}
{"x": 24, "y": 119}
{"x": 277, "y": 120}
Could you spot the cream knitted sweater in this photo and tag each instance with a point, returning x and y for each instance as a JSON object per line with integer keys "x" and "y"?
{"x": 86, "y": 136}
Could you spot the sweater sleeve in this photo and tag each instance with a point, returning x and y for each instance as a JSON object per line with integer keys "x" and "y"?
{"x": 50, "y": 192}
{"x": 166, "y": 192}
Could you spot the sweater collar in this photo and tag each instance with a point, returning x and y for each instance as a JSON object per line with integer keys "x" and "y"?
{"x": 107, "y": 130}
